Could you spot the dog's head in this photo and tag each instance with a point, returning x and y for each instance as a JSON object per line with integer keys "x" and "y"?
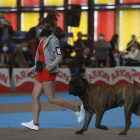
{"x": 77, "y": 86}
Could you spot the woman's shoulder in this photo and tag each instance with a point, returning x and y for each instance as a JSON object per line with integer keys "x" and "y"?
{"x": 54, "y": 38}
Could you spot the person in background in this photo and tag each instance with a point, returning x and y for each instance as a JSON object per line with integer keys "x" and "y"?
{"x": 133, "y": 37}
{"x": 131, "y": 59}
{"x": 114, "y": 51}
{"x": 101, "y": 50}
{"x": 27, "y": 54}
{"x": 80, "y": 62}
{"x": 32, "y": 37}
{"x": 5, "y": 56}
{"x": 6, "y": 31}
{"x": 80, "y": 44}
{"x": 19, "y": 60}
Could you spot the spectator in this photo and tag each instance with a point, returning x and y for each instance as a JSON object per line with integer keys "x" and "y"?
{"x": 27, "y": 54}
{"x": 81, "y": 44}
{"x": 6, "y": 31}
{"x": 80, "y": 62}
{"x": 101, "y": 50}
{"x": 33, "y": 37}
{"x": 114, "y": 51}
{"x": 131, "y": 59}
{"x": 19, "y": 60}
{"x": 133, "y": 40}
{"x": 5, "y": 56}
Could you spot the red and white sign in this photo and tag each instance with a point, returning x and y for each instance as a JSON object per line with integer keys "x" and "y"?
{"x": 109, "y": 76}
{"x": 136, "y": 75}
{"x": 22, "y": 82}
{"x": 5, "y": 86}
{"x": 62, "y": 80}
{"x": 135, "y": 72}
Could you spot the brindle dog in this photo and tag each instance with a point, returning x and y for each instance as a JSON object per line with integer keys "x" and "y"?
{"x": 97, "y": 99}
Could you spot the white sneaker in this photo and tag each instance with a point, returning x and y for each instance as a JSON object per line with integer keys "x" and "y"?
{"x": 30, "y": 125}
{"x": 80, "y": 115}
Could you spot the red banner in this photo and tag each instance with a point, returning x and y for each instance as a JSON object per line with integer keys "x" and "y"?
{"x": 4, "y": 81}
{"x": 109, "y": 76}
{"x": 23, "y": 83}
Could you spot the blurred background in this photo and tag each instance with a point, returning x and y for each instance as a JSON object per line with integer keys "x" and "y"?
{"x": 84, "y": 19}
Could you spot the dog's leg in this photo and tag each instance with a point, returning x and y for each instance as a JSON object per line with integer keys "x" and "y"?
{"x": 128, "y": 112}
{"x": 99, "y": 116}
{"x": 137, "y": 109}
{"x": 86, "y": 123}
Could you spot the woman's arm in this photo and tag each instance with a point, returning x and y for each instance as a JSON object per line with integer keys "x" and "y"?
{"x": 54, "y": 47}
{"x": 33, "y": 69}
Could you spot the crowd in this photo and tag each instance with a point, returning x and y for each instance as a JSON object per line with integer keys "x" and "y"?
{"x": 12, "y": 56}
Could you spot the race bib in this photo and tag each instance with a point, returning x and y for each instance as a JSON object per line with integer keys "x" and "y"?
{"x": 58, "y": 51}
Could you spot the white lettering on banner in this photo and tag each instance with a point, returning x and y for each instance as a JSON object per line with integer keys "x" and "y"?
{"x": 109, "y": 75}
{"x": 64, "y": 75}
{"x": 4, "y": 77}
{"x": 21, "y": 77}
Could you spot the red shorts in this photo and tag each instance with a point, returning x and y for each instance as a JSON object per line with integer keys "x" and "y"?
{"x": 44, "y": 75}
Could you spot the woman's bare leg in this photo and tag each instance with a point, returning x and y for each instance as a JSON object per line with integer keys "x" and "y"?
{"x": 37, "y": 90}
{"x": 49, "y": 89}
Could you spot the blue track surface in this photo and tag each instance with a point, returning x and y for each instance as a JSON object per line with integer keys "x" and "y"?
{"x": 25, "y": 99}
{"x": 66, "y": 119}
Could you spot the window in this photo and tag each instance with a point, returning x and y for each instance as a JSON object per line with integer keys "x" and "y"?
{"x": 129, "y": 1}
{"x": 78, "y": 2}
{"x": 29, "y": 20}
{"x": 104, "y": 1}
{"x": 8, "y": 3}
{"x": 53, "y": 2}
{"x": 128, "y": 23}
{"x": 12, "y": 17}
{"x": 30, "y": 3}
{"x": 104, "y": 21}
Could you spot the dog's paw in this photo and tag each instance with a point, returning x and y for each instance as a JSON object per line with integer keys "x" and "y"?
{"x": 104, "y": 127}
{"x": 79, "y": 132}
{"x": 122, "y": 133}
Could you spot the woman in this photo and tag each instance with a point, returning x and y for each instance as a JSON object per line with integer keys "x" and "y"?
{"x": 114, "y": 51}
{"x": 5, "y": 56}
{"x": 19, "y": 60}
{"x": 49, "y": 54}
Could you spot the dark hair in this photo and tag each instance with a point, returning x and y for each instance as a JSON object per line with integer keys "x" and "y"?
{"x": 114, "y": 38}
{"x": 51, "y": 20}
{"x": 39, "y": 24}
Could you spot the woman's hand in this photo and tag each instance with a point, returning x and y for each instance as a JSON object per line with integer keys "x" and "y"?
{"x": 48, "y": 67}
{"x": 29, "y": 72}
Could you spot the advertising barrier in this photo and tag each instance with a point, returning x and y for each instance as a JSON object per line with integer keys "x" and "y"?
{"x": 62, "y": 80}
{"x": 135, "y": 72}
{"x": 5, "y": 86}
{"x": 109, "y": 76}
{"x": 22, "y": 83}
